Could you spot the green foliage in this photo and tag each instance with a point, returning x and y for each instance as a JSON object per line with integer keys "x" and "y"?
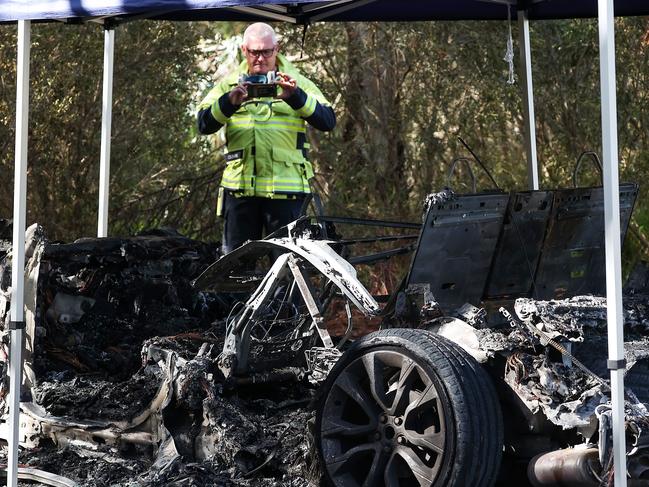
{"x": 159, "y": 174}
{"x": 403, "y": 93}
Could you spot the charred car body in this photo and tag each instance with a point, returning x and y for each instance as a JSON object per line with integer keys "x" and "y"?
{"x": 495, "y": 318}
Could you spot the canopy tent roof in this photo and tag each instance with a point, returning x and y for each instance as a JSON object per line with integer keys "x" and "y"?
{"x": 303, "y": 11}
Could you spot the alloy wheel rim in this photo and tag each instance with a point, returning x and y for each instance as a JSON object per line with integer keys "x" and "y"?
{"x": 383, "y": 423}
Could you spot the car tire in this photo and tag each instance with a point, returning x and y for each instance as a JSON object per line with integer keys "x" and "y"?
{"x": 408, "y": 407}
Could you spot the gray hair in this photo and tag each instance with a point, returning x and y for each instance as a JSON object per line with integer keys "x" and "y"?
{"x": 259, "y": 30}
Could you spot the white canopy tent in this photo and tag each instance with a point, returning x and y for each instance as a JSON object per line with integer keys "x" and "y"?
{"x": 315, "y": 11}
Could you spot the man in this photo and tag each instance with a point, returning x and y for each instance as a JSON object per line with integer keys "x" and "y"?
{"x": 267, "y": 171}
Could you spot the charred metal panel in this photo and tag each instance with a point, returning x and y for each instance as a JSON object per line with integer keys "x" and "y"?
{"x": 572, "y": 259}
{"x": 519, "y": 248}
{"x": 456, "y": 247}
{"x": 318, "y": 253}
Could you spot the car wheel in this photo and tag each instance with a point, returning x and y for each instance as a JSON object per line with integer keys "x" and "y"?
{"x": 408, "y": 407}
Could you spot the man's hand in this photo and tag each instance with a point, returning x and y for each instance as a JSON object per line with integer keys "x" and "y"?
{"x": 288, "y": 85}
{"x": 239, "y": 94}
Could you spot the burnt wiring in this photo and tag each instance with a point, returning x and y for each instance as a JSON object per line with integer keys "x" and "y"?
{"x": 545, "y": 339}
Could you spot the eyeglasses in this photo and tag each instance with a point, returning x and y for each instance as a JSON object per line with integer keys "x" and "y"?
{"x": 261, "y": 52}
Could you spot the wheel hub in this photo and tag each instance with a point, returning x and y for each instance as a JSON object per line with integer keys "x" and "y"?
{"x": 390, "y": 431}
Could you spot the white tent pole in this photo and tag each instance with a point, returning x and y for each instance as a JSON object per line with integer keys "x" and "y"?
{"x": 104, "y": 160}
{"x": 528, "y": 106}
{"x": 17, "y": 323}
{"x": 612, "y": 233}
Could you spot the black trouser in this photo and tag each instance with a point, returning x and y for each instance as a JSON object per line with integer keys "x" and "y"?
{"x": 250, "y": 217}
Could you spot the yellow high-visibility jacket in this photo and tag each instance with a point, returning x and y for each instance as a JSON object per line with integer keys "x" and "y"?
{"x": 266, "y": 138}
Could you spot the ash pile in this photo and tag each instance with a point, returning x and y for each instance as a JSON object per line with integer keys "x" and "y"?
{"x": 120, "y": 383}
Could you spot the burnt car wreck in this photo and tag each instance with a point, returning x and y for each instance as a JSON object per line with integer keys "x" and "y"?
{"x": 151, "y": 361}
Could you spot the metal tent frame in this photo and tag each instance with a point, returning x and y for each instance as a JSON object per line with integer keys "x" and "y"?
{"x": 305, "y": 11}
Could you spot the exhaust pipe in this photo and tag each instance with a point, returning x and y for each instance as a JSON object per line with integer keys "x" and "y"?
{"x": 572, "y": 467}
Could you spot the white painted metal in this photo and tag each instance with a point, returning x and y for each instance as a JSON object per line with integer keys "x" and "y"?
{"x": 317, "y": 252}
{"x": 309, "y": 300}
{"x": 107, "y": 113}
{"x": 528, "y": 106}
{"x": 18, "y": 247}
{"x": 612, "y": 230}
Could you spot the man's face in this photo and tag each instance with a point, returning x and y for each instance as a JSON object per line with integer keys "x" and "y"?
{"x": 261, "y": 54}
